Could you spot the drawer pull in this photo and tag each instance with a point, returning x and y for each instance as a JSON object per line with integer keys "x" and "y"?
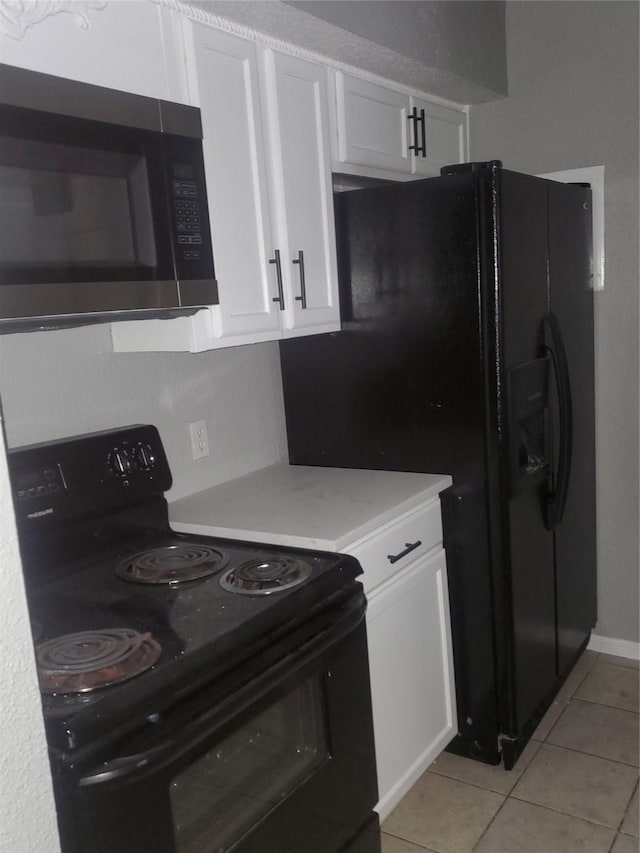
{"x": 409, "y": 547}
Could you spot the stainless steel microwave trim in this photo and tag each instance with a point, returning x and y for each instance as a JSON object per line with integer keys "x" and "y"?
{"x": 36, "y": 300}
{"x": 20, "y": 87}
{"x": 197, "y": 291}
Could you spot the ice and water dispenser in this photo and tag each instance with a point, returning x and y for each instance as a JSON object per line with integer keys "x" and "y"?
{"x": 529, "y": 439}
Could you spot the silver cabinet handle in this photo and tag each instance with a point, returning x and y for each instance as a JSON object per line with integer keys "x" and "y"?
{"x": 276, "y": 260}
{"x": 303, "y": 289}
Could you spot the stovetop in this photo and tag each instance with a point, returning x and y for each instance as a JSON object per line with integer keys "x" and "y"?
{"x": 77, "y": 568}
{"x": 202, "y": 629}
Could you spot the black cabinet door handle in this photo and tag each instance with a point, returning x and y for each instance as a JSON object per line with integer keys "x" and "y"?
{"x": 408, "y": 548}
{"x": 280, "y": 297}
{"x": 303, "y": 288}
{"x": 414, "y": 118}
{"x": 418, "y": 118}
{"x": 423, "y": 122}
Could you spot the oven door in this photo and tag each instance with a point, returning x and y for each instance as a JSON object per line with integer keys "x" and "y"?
{"x": 283, "y": 764}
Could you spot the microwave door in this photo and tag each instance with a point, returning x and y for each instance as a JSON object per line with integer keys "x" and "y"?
{"x": 79, "y": 201}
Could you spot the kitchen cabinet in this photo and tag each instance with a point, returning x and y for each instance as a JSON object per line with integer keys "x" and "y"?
{"x": 410, "y": 655}
{"x": 300, "y": 170}
{"x": 267, "y": 163}
{"x": 385, "y": 129}
{"x": 391, "y": 522}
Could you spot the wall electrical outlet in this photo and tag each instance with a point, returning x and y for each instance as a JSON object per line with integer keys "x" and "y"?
{"x": 199, "y": 439}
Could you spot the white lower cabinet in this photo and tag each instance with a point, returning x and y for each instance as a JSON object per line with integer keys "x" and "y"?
{"x": 410, "y": 655}
{"x": 411, "y": 675}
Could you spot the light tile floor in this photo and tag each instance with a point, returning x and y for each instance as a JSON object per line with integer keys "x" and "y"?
{"x": 573, "y": 790}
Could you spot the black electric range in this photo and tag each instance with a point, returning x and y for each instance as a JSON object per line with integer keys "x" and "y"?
{"x": 154, "y": 648}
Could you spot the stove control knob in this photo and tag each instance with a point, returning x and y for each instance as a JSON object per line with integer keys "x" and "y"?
{"x": 144, "y": 456}
{"x": 119, "y": 462}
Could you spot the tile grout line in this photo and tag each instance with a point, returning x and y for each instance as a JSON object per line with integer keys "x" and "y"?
{"x": 564, "y": 814}
{"x": 491, "y": 822}
{"x": 591, "y": 754}
{"x": 627, "y": 808}
{"x": 568, "y": 814}
{"x": 400, "y": 838}
{"x": 602, "y": 704}
{"x": 476, "y": 784}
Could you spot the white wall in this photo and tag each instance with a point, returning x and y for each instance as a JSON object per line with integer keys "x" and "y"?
{"x": 68, "y": 382}
{"x": 462, "y": 39}
{"x": 573, "y": 101}
{"x": 27, "y": 812}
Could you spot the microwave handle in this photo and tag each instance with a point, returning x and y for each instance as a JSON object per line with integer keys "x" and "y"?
{"x": 162, "y": 755}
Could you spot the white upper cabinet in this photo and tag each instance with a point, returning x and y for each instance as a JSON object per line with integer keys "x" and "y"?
{"x": 268, "y": 170}
{"x": 442, "y": 135}
{"x": 386, "y": 130}
{"x": 372, "y": 124}
{"x": 224, "y": 80}
{"x": 300, "y": 169}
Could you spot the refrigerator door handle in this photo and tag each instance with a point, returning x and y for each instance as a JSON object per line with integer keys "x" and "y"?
{"x": 560, "y": 483}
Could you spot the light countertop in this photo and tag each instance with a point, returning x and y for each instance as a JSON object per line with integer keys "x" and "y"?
{"x": 322, "y": 508}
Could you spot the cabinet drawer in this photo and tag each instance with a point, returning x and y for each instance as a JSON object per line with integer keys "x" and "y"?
{"x": 402, "y": 540}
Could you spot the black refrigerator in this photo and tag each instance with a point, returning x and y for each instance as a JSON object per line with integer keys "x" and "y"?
{"x": 467, "y": 348}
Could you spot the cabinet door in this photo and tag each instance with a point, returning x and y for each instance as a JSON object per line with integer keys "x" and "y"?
{"x": 444, "y": 139}
{"x": 372, "y": 124}
{"x": 300, "y": 169}
{"x": 411, "y": 667}
{"x": 225, "y": 83}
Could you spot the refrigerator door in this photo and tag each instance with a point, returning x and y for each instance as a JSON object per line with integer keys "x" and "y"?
{"x": 544, "y": 560}
{"x": 523, "y": 549}
{"x": 571, "y": 300}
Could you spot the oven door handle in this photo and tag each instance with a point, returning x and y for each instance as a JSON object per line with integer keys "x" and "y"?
{"x": 206, "y": 724}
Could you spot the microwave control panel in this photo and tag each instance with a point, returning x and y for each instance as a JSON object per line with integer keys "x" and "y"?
{"x": 188, "y": 199}
{"x": 187, "y": 217}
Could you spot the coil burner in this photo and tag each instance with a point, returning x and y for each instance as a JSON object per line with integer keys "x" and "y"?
{"x": 265, "y": 576}
{"x": 78, "y": 663}
{"x": 172, "y": 564}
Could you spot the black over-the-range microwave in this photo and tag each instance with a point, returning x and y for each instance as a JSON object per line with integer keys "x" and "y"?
{"x": 103, "y": 205}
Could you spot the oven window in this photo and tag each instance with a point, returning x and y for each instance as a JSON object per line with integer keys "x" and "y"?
{"x": 222, "y": 795}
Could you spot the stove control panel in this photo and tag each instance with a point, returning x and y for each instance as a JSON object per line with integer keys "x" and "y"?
{"x": 43, "y": 481}
{"x": 87, "y": 475}
{"x": 131, "y": 458}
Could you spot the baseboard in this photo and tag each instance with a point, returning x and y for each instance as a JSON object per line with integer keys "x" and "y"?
{"x": 612, "y": 646}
